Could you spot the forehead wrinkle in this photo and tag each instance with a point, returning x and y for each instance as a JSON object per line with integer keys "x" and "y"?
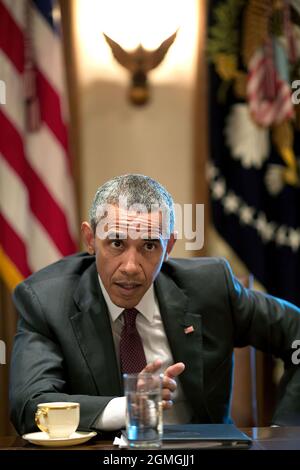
{"x": 119, "y": 223}
{"x": 147, "y": 226}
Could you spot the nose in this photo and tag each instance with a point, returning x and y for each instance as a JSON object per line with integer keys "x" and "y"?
{"x": 130, "y": 262}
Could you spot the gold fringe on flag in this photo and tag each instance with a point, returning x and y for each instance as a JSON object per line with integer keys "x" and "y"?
{"x": 283, "y": 139}
{"x": 256, "y": 27}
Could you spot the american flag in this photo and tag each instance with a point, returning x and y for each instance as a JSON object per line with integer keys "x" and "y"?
{"x": 37, "y": 211}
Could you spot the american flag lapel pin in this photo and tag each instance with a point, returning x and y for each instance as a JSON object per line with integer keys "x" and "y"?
{"x": 189, "y": 329}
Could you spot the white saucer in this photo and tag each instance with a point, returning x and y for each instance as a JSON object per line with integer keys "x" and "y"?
{"x": 42, "y": 439}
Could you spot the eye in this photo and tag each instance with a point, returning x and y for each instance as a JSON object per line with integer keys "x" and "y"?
{"x": 150, "y": 246}
{"x": 116, "y": 243}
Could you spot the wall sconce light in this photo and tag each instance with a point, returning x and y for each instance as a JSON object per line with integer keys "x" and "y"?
{"x": 139, "y": 62}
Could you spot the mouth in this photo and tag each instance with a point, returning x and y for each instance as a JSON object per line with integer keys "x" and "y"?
{"x": 128, "y": 287}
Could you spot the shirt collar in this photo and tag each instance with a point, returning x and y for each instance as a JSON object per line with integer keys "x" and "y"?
{"x": 145, "y": 306}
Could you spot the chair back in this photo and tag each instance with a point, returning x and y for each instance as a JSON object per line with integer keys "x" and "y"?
{"x": 244, "y": 399}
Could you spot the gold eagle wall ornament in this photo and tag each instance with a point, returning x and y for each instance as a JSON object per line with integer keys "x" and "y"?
{"x": 139, "y": 62}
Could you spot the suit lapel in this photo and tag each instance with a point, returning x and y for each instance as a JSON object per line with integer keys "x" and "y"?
{"x": 92, "y": 328}
{"x": 184, "y": 333}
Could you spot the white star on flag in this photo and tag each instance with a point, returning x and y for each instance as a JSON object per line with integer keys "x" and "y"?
{"x": 294, "y": 239}
{"x": 246, "y": 214}
{"x": 231, "y": 203}
{"x": 218, "y": 189}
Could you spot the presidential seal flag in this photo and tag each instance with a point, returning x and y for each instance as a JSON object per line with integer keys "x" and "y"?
{"x": 37, "y": 210}
{"x": 254, "y": 51}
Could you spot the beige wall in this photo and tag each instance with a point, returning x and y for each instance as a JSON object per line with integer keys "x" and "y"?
{"x": 117, "y": 138}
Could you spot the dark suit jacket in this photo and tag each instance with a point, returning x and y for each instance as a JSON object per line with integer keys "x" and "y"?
{"x": 64, "y": 348}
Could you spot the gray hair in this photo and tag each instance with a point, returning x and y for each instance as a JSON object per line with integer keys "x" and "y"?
{"x": 138, "y": 190}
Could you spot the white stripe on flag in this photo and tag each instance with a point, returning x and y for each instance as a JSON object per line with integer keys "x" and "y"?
{"x": 14, "y": 107}
{"x": 13, "y": 199}
{"x": 48, "y": 52}
{"x": 40, "y": 248}
{"x": 49, "y": 161}
{"x": 16, "y": 9}
{"x": 255, "y": 82}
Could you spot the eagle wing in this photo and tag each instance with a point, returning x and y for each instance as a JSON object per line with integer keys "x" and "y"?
{"x": 154, "y": 58}
{"x": 123, "y": 57}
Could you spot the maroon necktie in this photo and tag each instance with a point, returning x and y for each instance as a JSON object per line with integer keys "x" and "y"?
{"x": 132, "y": 355}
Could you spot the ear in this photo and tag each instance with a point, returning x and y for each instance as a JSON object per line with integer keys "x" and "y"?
{"x": 171, "y": 243}
{"x": 88, "y": 237}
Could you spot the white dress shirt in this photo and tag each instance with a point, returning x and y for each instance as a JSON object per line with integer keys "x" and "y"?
{"x": 150, "y": 327}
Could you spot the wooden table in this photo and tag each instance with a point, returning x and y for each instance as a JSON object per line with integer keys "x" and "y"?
{"x": 281, "y": 438}
{"x": 17, "y": 453}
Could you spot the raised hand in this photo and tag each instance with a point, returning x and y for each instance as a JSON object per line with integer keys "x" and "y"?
{"x": 169, "y": 382}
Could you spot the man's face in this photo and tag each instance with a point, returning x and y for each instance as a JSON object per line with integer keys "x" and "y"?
{"x": 129, "y": 252}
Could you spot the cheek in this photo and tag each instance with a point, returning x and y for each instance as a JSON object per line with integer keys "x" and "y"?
{"x": 153, "y": 268}
{"x": 105, "y": 265}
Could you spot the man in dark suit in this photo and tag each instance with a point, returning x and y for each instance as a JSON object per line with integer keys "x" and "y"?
{"x": 190, "y": 314}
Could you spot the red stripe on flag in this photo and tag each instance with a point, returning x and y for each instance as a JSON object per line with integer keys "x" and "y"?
{"x": 42, "y": 203}
{"x": 255, "y": 66}
{"x": 11, "y": 39}
{"x": 14, "y": 247}
{"x": 51, "y": 109}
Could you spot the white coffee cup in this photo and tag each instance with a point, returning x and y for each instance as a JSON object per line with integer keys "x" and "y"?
{"x": 58, "y": 419}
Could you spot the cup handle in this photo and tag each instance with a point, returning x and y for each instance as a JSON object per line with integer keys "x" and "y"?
{"x": 41, "y": 415}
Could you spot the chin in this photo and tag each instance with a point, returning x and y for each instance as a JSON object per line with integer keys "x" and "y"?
{"x": 124, "y": 302}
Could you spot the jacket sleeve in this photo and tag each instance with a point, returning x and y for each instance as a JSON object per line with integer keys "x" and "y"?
{"x": 38, "y": 372}
{"x": 271, "y": 325}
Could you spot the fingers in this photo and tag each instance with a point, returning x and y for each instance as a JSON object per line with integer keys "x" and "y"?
{"x": 167, "y": 404}
{"x": 169, "y": 384}
{"x": 169, "y": 387}
{"x": 175, "y": 369}
{"x": 153, "y": 366}
{"x": 172, "y": 371}
{"x": 167, "y": 394}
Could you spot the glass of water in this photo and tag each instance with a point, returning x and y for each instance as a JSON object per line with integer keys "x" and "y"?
{"x": 144, "y": 423}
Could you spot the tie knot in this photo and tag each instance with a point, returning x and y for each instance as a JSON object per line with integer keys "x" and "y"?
{"x": 130, "y": 317}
